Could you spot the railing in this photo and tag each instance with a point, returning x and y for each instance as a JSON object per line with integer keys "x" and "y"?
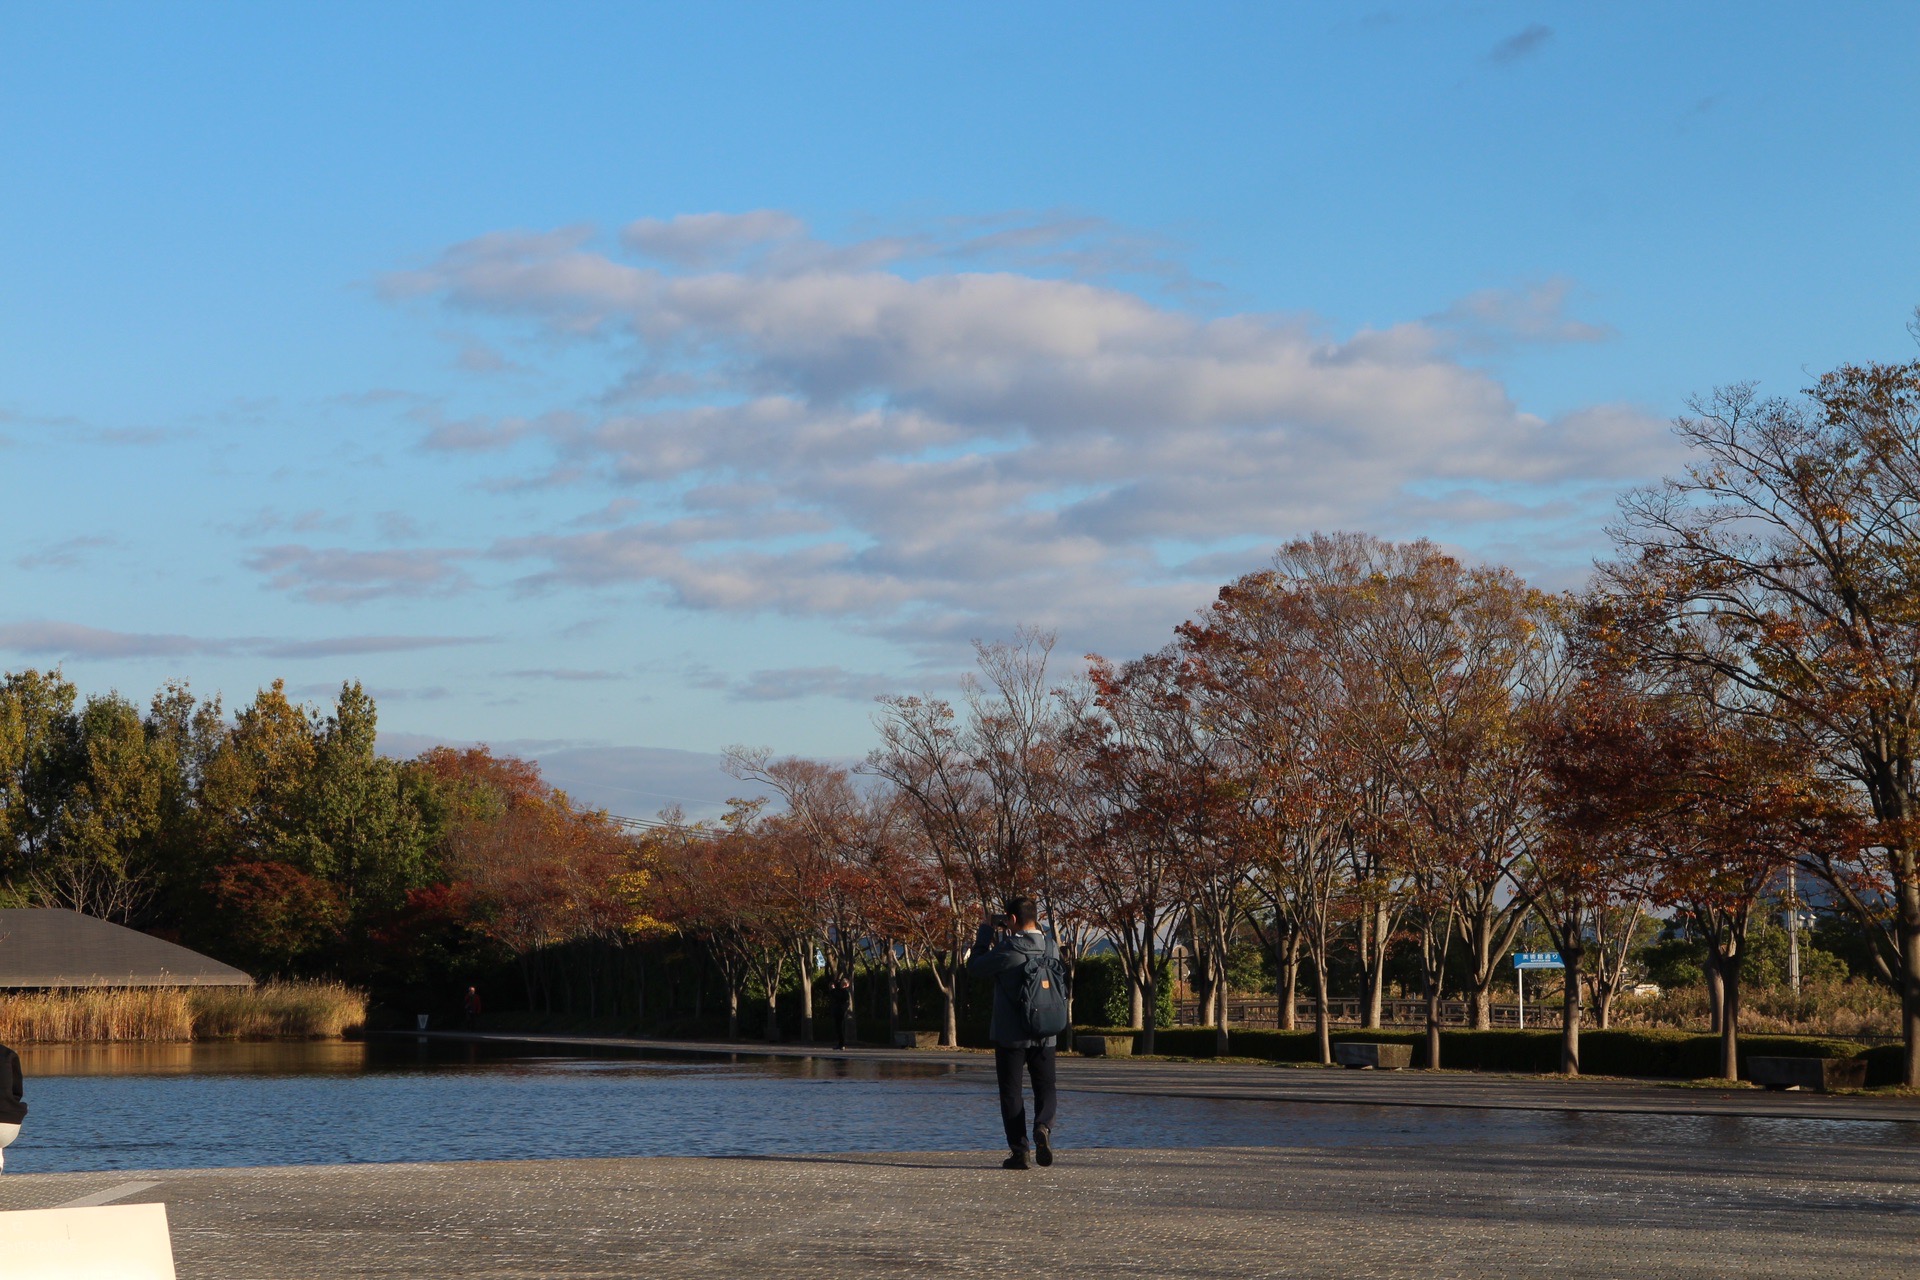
{"x": 1259, "y": 1014}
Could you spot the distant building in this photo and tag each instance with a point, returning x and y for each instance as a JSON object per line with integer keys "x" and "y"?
{"x": 53, "y": 948}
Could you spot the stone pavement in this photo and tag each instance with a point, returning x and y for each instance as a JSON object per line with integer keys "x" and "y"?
{"x": 1273, "y": 1082}
{"x": 1482, "y": 1212}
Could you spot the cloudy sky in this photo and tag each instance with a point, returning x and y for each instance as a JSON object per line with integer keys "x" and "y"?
{"x": 617, "y": 383}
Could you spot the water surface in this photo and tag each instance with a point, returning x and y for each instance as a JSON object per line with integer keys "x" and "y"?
{"x": 212, "y": 1105}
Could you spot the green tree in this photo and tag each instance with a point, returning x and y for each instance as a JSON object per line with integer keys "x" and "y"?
{"x": 37, "y": 740}
{"x": 362, "y": 826}
{"x": 101, "y": 858}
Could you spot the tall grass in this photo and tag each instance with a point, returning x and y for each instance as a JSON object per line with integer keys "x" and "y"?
{"x": 271, "y": 1010}
{"x": 1851, "y": 1008}
{"x": 96, "y": 1013}
{"x": 278, "y": 1010}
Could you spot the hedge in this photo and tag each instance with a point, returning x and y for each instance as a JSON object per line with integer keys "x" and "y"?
{"x": 1673, "y": 1055}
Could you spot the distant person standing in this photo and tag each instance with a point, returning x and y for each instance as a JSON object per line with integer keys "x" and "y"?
{"x": 12, "y": 1109}
{"x": 840, "y": 993}
{"x": 1029, "y": 1011}
{"x": 470, "y": 1007}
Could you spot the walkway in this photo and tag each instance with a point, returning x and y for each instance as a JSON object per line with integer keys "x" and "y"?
{"x": 1290, "y": 1083}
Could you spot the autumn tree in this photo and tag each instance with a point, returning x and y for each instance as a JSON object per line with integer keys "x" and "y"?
{"x": 1786, "y": 561}
{"x": 978, "y": 780}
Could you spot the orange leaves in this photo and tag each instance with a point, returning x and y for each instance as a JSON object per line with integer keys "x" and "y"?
{"x": 540, "y": 870}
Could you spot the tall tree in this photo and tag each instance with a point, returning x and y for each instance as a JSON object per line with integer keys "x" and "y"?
{"x": 1786, "y": 560}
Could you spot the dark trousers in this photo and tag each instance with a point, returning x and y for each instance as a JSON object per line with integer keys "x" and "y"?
{"x": 1038, "y": 1062}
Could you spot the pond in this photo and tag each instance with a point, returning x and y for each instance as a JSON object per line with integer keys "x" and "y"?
{"x": 221, "y": 1105}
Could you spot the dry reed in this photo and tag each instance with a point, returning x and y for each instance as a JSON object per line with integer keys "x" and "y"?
{"x": 271, "y": 1010}
{"x": 278, "y": 1010}
{"x": 96, "y": 1014}
{"x": 1848, "y": 1009}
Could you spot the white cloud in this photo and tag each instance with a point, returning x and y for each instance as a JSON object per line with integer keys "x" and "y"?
{"x": 865, "y": 431}
{"x": 334, "y": 575}
{"x": 697, "y": 239}
{"x": 1535, "y": 312}
{"x": 76, "y": 640}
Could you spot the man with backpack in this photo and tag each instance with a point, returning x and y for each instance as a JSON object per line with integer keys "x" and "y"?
{"x": 1029, "y": 1011}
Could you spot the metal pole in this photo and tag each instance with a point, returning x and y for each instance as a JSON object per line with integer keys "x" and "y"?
{"x": 1793, "y": 931}
{"x": 1520, "y": 976}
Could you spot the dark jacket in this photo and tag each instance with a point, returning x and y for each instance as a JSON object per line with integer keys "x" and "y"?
{"x": 12, "y": 1086}
{"x": 1005, "y": 962}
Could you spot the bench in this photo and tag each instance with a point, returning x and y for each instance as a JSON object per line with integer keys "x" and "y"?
{"x": 916, "y": 1039}
{"x": 1821, "y": 1075}
{"x": 1096, "y": 1046}
{"x": 1366, "y": 1053}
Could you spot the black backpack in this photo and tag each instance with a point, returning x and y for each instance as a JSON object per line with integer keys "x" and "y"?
{"x": 1043, "y": 994}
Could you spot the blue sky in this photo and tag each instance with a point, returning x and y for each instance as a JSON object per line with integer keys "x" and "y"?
{"x": 609, "y": 381}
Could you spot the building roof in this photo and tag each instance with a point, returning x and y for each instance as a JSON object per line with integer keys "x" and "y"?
{"x": 46, "y": 947}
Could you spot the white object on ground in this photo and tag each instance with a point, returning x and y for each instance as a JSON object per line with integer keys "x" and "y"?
{"x": 110, "y": 1242}
{"x": 120, "y": 1192}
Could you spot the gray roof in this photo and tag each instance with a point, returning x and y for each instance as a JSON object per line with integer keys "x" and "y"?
{"x": 45, "y": 947}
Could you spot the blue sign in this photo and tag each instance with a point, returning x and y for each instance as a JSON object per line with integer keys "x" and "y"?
{"x": 1537, "y": 960}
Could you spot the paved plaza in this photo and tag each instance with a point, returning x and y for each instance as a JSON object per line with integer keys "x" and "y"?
{"x": 1677, "y": 1182}
{"x": 1802, "y": 1210}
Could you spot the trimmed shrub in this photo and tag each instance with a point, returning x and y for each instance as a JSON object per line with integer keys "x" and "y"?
{"x": 1673, "y": 1055}
{"x": 1886, "y": 1064}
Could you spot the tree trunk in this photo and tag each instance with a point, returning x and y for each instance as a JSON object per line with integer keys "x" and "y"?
{"x": 1716, "y": 992}
{"x": 1910, "y": 999}
{"x": 1377, "y": 981}
{"x": 1480, "y": 993}
{"x": 733, "y": 1011}
{"x": 1369, "y": 956}
{"x": 1570, "y": 1008}
{"x": 1288, "y": 985}
{"x": 805, "y": 958}
{"x": 1730, "y": 1016}
{"x": 1322, "y": 1019}
{"x": 1150, "y": 1013}
{"x": 1433, "y": 1023}
{"x": 893, "y": 995}
{"x": 1221, "y": 1033}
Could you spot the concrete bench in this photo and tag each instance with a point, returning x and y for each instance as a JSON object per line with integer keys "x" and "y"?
{"x": 1821, "y": 1075}
{"x": 1365, "y": 1053}
{"x": 1094, "y": 1046}
{"x": 916, "y": 1039}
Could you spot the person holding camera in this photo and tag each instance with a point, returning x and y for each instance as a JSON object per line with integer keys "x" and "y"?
{"x": 1029, "y": 1012}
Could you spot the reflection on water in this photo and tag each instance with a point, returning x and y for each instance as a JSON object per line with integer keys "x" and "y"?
{"x": 200, "y": 1105}
{"x": 214, "y": 1057}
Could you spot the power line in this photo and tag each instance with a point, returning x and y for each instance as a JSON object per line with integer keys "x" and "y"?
{"x": 655, "y": 824}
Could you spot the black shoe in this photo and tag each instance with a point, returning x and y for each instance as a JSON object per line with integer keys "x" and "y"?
{"x": 1043, "y": 1145}
{"x": 1018, "y": 1160}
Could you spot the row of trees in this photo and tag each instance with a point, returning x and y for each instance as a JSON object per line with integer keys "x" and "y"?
{"x": 281, "y": 840}
{"x": 1365, "y": 746}
{"x": 1370, "y": 742}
